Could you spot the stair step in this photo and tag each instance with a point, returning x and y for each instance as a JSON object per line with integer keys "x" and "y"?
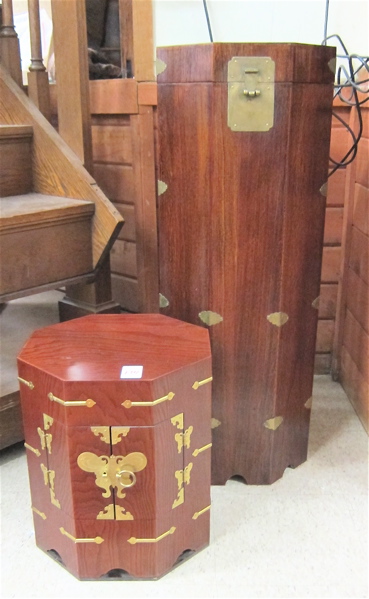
{"x": 36, "y": 210}
{"x": 43, "y": 239}
{"x": 15, "y": 159}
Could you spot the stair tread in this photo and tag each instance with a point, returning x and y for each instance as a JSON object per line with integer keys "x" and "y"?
{"x": 11, "y": 131}
{"x": 33, "y": 207}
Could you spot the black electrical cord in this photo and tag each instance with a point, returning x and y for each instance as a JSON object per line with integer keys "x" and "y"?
{"x": 208, "y": 20}
{"x": 347, "y": 80}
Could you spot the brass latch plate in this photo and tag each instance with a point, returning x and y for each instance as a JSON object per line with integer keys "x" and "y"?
{"x": 251, "y": 93}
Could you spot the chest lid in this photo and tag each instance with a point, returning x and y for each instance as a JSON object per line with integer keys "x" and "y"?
{"x": 298, "y": 63}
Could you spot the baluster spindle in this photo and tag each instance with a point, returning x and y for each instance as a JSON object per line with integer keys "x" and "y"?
{"x": 9, "y": 43}
{"x": 38, "y": 81}
{"x": 35, "y": 36}
{"x": 7, "y": 29}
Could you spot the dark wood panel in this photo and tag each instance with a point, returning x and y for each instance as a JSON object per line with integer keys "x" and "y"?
{"x": 125, "y": 292}
{"x": 45, "y": 254}
{"x": 361, "y": 208}
{"x": 16, "y": 165}
{"x": 116, "y": 181}
{"x": 333, "y": 226}
{"x": 356, "y": 387}
{"x": 356, "y": 342}
{"x": 209, "y": 62}
{"x": 112, "y": 144}
{"x": 328, "y": 300}
{"x": 128, "y": 232}
{"x": 340, "y": 143}
{"x": 336, "y": 188}
{"x": 322, "y": 363}
{"x": 331, "y": 264}
{"x": 245, "y": 248}
{"x": 359, "y": 254}
{"x": 146, "y": 219}
{"x": 11, "y": 426}
{"x": 357, "y": 299}
{"x": 123, "y": 259}
{"x": 362, "y": 171}
{"x": 324, "y": 338}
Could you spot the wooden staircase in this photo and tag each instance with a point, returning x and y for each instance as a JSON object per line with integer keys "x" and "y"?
{"x": 56, "y": 226}
{"x": 44, "y": 239}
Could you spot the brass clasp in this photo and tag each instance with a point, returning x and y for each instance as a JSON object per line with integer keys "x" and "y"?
{"x": 251, "y": 93}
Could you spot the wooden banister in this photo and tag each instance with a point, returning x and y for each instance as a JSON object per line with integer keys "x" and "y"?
{"x": 38, "y": 82}
{"x": 9, "y": 43}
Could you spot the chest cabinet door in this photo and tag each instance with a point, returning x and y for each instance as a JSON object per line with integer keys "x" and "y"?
{"x": 119, "y": 472}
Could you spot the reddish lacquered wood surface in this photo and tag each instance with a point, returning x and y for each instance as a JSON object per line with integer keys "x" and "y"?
{"x": 240, "y": 234}
{"x": 147, "y": 526}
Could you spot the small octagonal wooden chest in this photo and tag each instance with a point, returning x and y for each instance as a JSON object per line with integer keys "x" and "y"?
{"x": 116, "y": 412}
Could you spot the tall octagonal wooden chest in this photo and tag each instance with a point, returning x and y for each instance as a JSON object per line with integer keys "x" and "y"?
{"x": 116, "y": 412}
{"x": 243, "y": 142}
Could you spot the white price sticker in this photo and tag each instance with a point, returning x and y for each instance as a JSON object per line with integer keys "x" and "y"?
{"x": 131, "y": 372}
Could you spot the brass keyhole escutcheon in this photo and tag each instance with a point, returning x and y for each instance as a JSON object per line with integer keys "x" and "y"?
{"x": 126, "y": 474}
{"x": 115, "y": 471}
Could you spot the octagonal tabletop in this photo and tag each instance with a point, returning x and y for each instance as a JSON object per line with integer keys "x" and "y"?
{"x": 116, "y": 360}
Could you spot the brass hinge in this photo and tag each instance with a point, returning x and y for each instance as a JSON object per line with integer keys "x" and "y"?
{"x": 184, "y": 439}
{"x": 183, "y": 478}
{"x": 251, "y": 93}
{"x": 45, "y": 439}
{"x": 49, "y": 480}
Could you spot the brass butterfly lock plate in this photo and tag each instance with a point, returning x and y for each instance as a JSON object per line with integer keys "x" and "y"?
{"x": 251, "y": 93}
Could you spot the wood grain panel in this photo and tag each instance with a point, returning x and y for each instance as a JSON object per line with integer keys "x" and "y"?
{"x": 328, "y": 300}
{"x": 331, "y": 265}
{"x": 322, "y": 363}
{"x": 324, "y": 338}
{"x": 126, "y": 289}
{"x": 71, "y": 64}
{"x": 147, "y": 93}
{"x": 218, "y": 225}
{"x": 336, "y": 188}
{"x": 356, "y": 342}
{"x": 112, "y": 144}
{"x": 60, "y": 241}
{"x": 11, "y": 420}
{"x": 340, "y": 143}
{"x": 333, "y": 226}
{"x": 342, "y": 111}
{"x": 116, "y": 181}
{"x": 359, "y": 254}
{"x": 145, "y": 209}
{"x": 209, "y": 62}
{"x": 113, "y": 96}
{"x": 358, "y": 299}
{"x": 128, "y": 232}
{"x": 16, "y": 161}
{"x": 142, "y": 40}
{"x": 361, "y": 209}
{"x": 123, "y": 258}
{"x": 356, "y": 387}
{"x": 362, "y": 159}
